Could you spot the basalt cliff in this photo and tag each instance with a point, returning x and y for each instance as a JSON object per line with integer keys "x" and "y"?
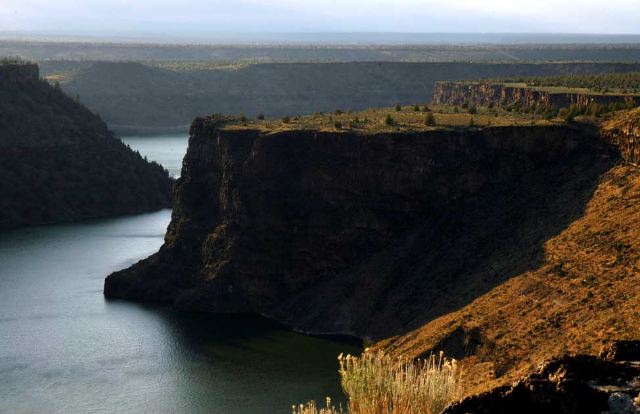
{"x": 457, "y": 93}
{"x": 367, "y": 234}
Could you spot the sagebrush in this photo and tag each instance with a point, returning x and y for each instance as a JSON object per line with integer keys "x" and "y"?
{"x": 377, "y": 383}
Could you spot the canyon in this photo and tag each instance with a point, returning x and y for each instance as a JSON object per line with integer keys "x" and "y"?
{"x": 478, "y": 242}
{"x": 148, "y": 97}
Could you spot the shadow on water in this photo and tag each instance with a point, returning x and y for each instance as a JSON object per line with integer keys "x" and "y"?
{"x": 244, "y": 363}
{"x": 64, "y": 348}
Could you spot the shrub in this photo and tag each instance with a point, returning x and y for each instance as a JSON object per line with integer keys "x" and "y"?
{"x": 389, "y": 121}
{"x": 430, "y": 119}
{"x": 570, "y": 113}
{"x": 426, "y": 109}
{"x": 398, "y": 108}
{"x": 471, "y": 122}
{"x": 337, "y": 125}
{"x": 286, "y": 119}
{"x": 242, "y": 117}
{"x": 416, "y": 108}
{"x": 473, "y": 110}
{"x": 260, "y": 116}
{"x": 311, "y": 408}
{"x": 380, "y": 384}
{"x": 338, "y": 112}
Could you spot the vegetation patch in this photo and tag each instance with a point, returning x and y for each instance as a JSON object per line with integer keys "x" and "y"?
{"x": 376, "y": 383}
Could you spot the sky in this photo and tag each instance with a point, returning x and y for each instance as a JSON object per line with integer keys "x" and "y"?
{"x": 184, "y": 18}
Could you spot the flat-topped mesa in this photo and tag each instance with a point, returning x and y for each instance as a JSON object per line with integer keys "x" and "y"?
{"x": 365, "y": 232}
{"x": 18, "y": 72}
{"x": 457, "y": 93}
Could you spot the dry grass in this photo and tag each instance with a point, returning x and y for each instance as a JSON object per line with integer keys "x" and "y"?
{"x": 407, "y": 119}
{"x": 376, "y": 383}
{"x": 312, "y": 408}
{"x": 586, "y": 292}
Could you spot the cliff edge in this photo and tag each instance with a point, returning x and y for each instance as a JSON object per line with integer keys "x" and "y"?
{"x": 371, "y": 234}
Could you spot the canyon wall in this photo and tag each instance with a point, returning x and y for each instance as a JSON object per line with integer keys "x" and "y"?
{"x": 138, "y": 98}
{"x": 457, "y": 93}
{"x": 623, "y": 131}
{"x": 363, "y": 234}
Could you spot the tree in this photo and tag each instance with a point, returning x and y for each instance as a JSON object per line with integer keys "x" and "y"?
{"x": 430, "y": 119}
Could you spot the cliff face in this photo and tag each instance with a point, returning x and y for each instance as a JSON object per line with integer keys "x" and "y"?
{"x": 623, "y": 131}
{"x": 19, "y": 72}
{"x": 370, "y": 235}
{"x": 59, "y": 162}
{"x": 584, "y": 291}
{"x": 456, "y": 93}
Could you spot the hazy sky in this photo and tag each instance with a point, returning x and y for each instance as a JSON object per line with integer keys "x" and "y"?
{"x": 197, "y": 17}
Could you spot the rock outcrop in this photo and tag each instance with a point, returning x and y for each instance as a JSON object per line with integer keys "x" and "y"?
{"x": 577, "y": 384}
{"x": 623, "y": 131}
{"x": 363, "y": 234}
{"x": 457, "y": 93}
{"x": 12, "y": 72}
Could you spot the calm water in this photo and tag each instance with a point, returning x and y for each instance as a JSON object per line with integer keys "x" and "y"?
{"x": 64, "y": 348}
{"x": 167, "y": 150}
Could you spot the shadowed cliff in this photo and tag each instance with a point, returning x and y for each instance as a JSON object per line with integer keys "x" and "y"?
{"x": 365, "y": 234}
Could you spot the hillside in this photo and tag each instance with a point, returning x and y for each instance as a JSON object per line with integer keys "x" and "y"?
{"x": 581, "y": 292}
{"x": 152, "y": 98}
{"x": 59, "y": 162}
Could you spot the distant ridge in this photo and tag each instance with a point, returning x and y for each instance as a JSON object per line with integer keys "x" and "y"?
{"x": 326, "y": 38}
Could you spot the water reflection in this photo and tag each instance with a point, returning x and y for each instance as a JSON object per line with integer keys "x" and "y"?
{"x": 65, "y": 349}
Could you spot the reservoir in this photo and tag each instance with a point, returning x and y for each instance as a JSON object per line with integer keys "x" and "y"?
{"x": 64, "y": 348}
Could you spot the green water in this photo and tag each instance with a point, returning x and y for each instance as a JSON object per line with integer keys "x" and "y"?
{"x": 64, "y": 348}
